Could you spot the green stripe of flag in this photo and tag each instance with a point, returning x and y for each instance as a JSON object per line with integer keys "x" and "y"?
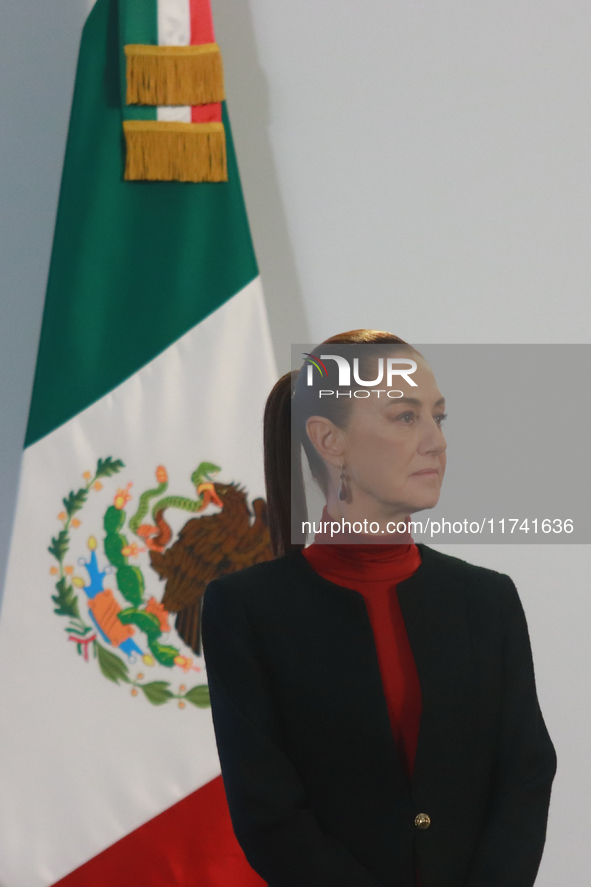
{"x": 138, "y": 23}
{"x": 135, "y": 265}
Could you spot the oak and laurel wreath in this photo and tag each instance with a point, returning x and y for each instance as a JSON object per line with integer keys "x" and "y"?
{"x": 66, "y": 601}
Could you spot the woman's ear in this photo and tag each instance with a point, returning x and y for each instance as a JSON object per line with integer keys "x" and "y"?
{"x": 326, "y": 438}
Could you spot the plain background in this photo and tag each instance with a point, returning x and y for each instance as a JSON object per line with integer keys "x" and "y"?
{"x": 419, "y": 167}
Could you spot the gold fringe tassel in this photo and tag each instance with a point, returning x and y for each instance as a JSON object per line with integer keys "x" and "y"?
{"x": 174, "y": 75}
{"x": 182, "y": 152}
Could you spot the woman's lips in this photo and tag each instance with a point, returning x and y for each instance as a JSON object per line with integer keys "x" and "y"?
{"x": 426, "y": 472}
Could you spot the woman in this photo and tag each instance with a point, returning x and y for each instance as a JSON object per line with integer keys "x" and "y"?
{"x": 374, "y": 705}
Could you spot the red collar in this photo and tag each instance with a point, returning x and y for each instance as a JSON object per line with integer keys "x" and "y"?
{"x": 366, "y": 561}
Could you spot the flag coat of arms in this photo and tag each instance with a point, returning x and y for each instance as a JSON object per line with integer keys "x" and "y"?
{"x": 141, "y": 476}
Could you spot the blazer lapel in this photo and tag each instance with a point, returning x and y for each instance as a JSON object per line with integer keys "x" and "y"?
{"x": 434, "y": 611}
{"x": 345, "y": 645}
{"x": 433, "y": 606}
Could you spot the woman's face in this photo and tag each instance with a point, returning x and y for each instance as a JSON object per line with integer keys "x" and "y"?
{"x": 394, "y": 449}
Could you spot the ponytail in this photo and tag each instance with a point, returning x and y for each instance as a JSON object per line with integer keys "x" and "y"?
{"x": 277, "y": 463}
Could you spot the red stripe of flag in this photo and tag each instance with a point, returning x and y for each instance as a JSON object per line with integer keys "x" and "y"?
{"x": 192, "y": 844}
{"x": 202, "y": 32}
{"x": 201, "y": 22}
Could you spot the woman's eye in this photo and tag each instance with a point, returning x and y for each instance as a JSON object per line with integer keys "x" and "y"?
{"x": 409, "y": 417}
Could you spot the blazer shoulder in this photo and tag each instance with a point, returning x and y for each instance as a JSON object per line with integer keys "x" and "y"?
{"x": 471, "y": 576}
{"x": 488, "y": 594}
{"x": 259, "y": 578}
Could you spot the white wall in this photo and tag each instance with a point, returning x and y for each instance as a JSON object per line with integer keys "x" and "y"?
{"x": 420, "y": 167}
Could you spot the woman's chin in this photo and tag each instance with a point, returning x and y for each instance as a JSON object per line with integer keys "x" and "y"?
{"x": 424, "y": 503}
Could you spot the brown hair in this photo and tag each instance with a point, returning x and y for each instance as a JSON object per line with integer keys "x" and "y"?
{"x": 287, "y": 410}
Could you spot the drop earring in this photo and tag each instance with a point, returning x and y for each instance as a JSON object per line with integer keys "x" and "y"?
{"x": 343, "y": 486}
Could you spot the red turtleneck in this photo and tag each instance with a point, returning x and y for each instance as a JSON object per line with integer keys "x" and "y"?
{"x": 374, "y": 571}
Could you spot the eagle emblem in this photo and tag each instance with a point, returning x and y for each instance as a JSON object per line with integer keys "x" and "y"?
{"x": 118, "y": 613}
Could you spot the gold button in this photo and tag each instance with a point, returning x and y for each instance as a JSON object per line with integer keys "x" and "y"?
{"x": 422, "y": 820}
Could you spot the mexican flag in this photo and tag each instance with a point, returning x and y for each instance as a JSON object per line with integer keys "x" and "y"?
{"x": 141, "y": 476}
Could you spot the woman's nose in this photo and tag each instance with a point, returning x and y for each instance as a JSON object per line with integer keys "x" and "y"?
{"x": 433, "y": 442}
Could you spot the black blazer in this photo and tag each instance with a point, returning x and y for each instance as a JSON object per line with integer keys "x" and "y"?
{"x": 315, "y": 787}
